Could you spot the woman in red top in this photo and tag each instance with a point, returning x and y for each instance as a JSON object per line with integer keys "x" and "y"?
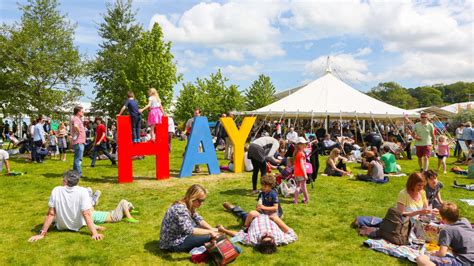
{"x": 300, "y": 171}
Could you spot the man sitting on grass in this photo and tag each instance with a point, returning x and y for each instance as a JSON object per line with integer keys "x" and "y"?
{"x": 458, "y": 235}
{"x": 4, "y": 160}
{"x": 70, "y": 207}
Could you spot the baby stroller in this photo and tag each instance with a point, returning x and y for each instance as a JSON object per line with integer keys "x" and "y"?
{"x": 285, "y": 182}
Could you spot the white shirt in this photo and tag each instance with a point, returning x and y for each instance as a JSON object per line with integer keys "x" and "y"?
{"x": 292, "y": 136}
{"x": 69, "y": 203}
{"x": 171, "y": 127}
{"x": 4, "y": 155}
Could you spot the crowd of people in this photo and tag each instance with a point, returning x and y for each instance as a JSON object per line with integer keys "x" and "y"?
{"x": 293, "y": 155}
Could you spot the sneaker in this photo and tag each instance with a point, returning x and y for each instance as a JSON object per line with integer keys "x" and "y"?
{"x": 131, "y": 220}
{"x": 95, "y": 198}
{"x": 134, "y": 211}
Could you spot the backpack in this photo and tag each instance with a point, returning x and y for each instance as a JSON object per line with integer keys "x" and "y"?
{"x": 395, "y": 228}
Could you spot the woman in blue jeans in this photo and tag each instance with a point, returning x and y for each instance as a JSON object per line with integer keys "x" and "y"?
{"x": 183, "y": 228}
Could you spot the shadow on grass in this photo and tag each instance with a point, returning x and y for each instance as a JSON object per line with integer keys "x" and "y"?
{"x": 238, "y": 191}
{"x": 52, "y": 175}
{"x": 153, "y": 247}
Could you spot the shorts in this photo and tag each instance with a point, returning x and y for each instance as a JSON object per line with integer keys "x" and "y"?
{"x": 269, "y": 214}
{"x": 423, "y": 151}
{"x": 445, "y": 261}
{"x": 299, "y": 178}
{"x": 441, "y": 156}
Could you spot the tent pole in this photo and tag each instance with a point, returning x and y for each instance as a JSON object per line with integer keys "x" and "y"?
{"x": 312, "y": 122}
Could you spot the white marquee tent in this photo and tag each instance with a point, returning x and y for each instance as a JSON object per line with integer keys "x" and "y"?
{"x": 457, "y": 107}
{"x": 329, "y": 96}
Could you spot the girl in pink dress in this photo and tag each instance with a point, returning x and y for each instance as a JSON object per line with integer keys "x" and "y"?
{"x": 442, "y": 151}
{"x": 156, "y": 111}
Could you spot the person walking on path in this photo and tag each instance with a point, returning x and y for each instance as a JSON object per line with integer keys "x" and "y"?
{"x": 100, "y": 142}
{"x": 425, "y": 138}
{"x": 78, "y": 135}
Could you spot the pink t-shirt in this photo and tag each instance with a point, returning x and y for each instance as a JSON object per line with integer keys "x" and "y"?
{"x": 443, "y": 149}
{"x": 81, "y": 138}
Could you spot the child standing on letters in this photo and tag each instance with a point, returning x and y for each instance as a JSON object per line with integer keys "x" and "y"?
{"x": 135, "y": 115}
{"x": 156, "y": 111}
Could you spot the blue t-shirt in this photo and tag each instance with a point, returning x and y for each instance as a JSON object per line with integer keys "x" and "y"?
{"x": 132, "y": 107}
{"x": 270, "y": 199}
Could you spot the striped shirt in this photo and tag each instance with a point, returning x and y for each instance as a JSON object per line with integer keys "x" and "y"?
{"x": 262, "y": 226}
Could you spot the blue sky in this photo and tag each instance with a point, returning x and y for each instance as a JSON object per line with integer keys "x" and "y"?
{"x": 411, "y": 42}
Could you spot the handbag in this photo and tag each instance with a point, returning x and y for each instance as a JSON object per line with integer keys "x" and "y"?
{"x": 222, "y": 251}
{"x": 309, "y": 168}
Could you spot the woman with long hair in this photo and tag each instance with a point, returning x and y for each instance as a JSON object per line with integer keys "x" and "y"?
{"x": 183, "y": 228}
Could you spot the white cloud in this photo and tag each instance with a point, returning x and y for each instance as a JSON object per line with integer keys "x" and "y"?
{"x": 426, "y": 35}
{"x": 190, "y": 59}
{"x": 434, "y": 41}
{"x": 345, "y": 66}
{"x": 243, "y": 72}
{"x": 228, "y": 54}
{"x": 363, "y": 52}
{"x": 244, "y": 25}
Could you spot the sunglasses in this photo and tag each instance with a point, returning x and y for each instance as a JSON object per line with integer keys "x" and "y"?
{"x": 201, "y": 200}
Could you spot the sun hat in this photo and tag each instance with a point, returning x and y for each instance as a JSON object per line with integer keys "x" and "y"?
{"x": 301, "y": 140}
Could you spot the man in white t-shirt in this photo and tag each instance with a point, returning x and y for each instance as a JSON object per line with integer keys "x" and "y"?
{"x": 4, "y": 160}
{"x": 292, "y": 135}
{"x": 70, "y": 206}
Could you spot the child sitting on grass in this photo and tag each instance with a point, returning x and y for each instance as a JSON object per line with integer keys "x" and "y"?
{"x": 288, "y": 170}
{"x": 123, "y": 209}
{"x": 432, "y": 189}
{"x": 457, "y": 234}
{"x": 268, "y": 202}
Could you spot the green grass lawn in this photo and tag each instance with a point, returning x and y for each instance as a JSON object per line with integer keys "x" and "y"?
{"x": 323, "y": 226}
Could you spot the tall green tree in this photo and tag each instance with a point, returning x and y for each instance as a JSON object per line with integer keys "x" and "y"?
{"x": 261, "y": 93}
{"x": 111, "y": 68}
{"x": 212, "y": 95}
{"x": 394, "y": 94}
{"x": 152, "y": 65}
{"x": 457, "y": 92}
{"x": 41, "y": 68}
{"x": 427, "y": 96}
{"x": 189, "y": 99}
{"x": 233, "y": 99}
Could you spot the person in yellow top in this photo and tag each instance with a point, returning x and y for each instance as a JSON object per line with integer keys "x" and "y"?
{"x": 412, "y": 199}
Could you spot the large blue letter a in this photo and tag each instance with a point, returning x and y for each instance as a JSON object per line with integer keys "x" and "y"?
{"x": 200, "y": 134}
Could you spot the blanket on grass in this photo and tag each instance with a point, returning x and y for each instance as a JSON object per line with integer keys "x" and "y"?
{"x": 406, "y": 252}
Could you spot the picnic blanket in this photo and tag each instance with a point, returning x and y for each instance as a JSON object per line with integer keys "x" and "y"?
{"x": 406, "y": 252}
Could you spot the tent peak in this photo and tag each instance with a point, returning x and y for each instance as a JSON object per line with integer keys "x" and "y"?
{"x": 328, "y": 66}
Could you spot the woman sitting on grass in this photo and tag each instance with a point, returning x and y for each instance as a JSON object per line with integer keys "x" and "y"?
{"x": 336, "y": 164}
{"x": 183, "y": 228}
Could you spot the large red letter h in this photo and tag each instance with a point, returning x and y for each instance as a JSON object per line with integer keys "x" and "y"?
{"x": 127, "y": 149}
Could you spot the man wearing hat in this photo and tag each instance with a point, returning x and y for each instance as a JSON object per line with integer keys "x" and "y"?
{"x": 100, "y": 142}
{"x": 70, "y": 206}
